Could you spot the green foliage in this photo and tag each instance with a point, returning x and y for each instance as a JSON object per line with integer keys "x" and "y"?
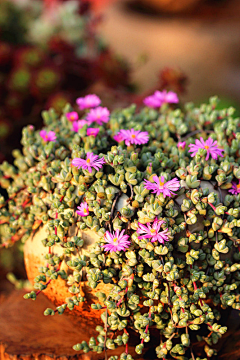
{"x": 176, "y": 288}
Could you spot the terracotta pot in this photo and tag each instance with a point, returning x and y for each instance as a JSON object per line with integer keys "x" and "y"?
{"x": 57, "y": 290}
{"x": 171, "y": 6}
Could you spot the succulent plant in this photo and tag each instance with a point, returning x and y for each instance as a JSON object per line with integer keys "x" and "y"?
{"x": 171, "y": 251}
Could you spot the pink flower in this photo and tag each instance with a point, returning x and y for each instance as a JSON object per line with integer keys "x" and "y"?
{"x": 76, "y": 125}
{"x": 134, "y": 136}
{"x": 92, "y": 131}
{"x": 83, "y": 209}
{"x": 88, "y": 102}
{"x": 181, "y": 145}
{"x": 99, "y": 115}
{"x": 116, "y": 241}
{"x": 161, "y": 97}
{"x": 161, "y": 187}
{"x": 72, "y": 116}
{"x": 118, "y": 138}
{"x": 92, "y": 161}
{"x": 47, "y": 136}
{"x": 235, "y": 188}
{"x": 169, "y": 97}
{"x": 152, "y": 102}
{"x": 209, "y": 145}
{"x": 153, "y": 232}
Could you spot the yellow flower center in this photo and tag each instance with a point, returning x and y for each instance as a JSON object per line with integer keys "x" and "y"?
{"x": 153, "y": 231}
{"x": 88, "y": 161}
{"x": 238, "y": 186}
{"x": 115, "y": 239}
{"x": 206, "y": 147}
{"x": 161, "y": 183}
{"x": 133, "y": 136}
{"x": 85, "y": 211}
{"x": 72, "y": 117}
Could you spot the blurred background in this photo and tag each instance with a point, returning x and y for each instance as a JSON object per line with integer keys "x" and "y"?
{"x": 200, "y": 37}
{"x": 53, "y": 51}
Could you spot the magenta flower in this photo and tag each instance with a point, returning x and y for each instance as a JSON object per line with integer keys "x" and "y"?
{"x": 152, "y": 231}
{"x": 83, "y": 209}
{"x": 92, "y": 161}
{"x": 181, "y": 145}
{"x": 161, "y": 97}
{"x": 92, "y": 132}
{"x": 99, "y": 115}
{"x": 169, "y": 97}
{"x": 72, "y": 116}
{"x": 47, "y": 136}
{"x": 209, "y": 145}
{"x": 118, "y": 138}
{"x": 152, "y": 102}
{"x": 76, "y": 125}
{"x": 134, "y": 136}
{"x": 235, "y": 188}
{"x": 116, "y": 241}
{"x": 88, "y": 102}
{"x": 160, "y": 186}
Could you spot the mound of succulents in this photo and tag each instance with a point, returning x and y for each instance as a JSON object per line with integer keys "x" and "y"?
{"x": 49, "y": 54}
{"x": 171, "y": 252}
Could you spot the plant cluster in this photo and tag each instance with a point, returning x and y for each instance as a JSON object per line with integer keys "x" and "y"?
{"x": 171, "y": 251}
{"x": 49, "y": 54}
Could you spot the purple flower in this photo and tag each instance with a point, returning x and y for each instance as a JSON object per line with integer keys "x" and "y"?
{"x": 161, "y": 97}
{"x": 134, "y": 136}
{"x": 92, "y": 161}
{"x": 88, "y": 102}
{"x": 159, "y": 186}
{"x": 118, "y": 137}
{"x": 83, "y": 209}
{"x": 209, "y": 145}
{"x": 235, "y": 188}
{"x": 76, "y": 125}
{"x": 116, "y": 241}
{"x": 47, "y": 136}
{"x": 99, "y": 115}
{"x": 92, "y": 132}
{"x": 72, "y": 116}
{"x": 181, "y": 145}
{"x": 152, "y": 231}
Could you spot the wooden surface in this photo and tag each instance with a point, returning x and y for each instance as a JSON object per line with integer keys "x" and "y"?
{"x": 26, "y": 334}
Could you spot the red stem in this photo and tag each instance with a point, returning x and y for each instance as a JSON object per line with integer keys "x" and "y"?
{"x": 195, "y": 288}
{"x": 11, "y": 198}
{"x": 212, "y": 206}
{"x": 149, "y": 315}
{"x": 39, "y": 291}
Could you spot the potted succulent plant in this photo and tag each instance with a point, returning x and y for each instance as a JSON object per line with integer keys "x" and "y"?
{"x": 132, "y": 219}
